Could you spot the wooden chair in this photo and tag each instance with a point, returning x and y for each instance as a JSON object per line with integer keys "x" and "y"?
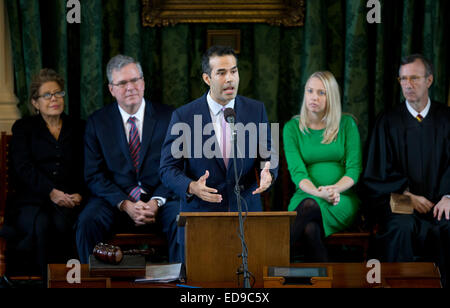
{"x": 4, "y": 188}
{"x": 351, "y": 237}
{"x": 153, "y": 241}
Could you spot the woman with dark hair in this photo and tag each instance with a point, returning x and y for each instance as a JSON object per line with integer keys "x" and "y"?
{"x": 46, "y": 154}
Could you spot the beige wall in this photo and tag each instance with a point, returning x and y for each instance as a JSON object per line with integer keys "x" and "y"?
{"x": 8, "y": 101}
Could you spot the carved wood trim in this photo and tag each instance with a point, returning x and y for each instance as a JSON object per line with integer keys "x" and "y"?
{"x": 290, "y": 13}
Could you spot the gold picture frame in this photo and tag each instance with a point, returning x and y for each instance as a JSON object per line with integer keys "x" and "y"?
{"x": 225, "y": 38}
{"x": 289, "y": 13}
{"x": 449, "y": 95}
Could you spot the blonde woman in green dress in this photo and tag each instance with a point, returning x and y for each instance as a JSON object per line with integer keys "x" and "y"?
{"x": 323, "y": 153}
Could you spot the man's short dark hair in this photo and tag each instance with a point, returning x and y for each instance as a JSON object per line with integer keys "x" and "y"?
{"x": 411, "y": 58}
{"x": 215, "y": 51}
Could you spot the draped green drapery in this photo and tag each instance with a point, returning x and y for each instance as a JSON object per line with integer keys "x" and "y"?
{"x": 274, "y": 63}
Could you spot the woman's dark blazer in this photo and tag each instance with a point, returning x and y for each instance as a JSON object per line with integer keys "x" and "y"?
{"x": 40, "y": 163}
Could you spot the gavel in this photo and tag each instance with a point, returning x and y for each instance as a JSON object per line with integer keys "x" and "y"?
{"x": 108, "y": 253}
{"x": 113, "y": 254}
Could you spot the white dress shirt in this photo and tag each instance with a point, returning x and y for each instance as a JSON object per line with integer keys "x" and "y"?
{"x": 139, "y": 115}
{"x": 215, "y": 109}
{"x": 423, "y": 113}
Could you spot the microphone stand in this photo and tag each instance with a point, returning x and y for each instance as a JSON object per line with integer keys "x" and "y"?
{"x": 241, "y": 223}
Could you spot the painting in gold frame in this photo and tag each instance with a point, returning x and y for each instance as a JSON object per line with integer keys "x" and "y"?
{"x": 290, "y": 13}
{"x": 227, "y": 37}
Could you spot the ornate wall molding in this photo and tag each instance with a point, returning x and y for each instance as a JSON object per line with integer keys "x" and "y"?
{"x": 290, "y": 13}
{"x": 9, "y": 112}
{"x": 448, "y": 96}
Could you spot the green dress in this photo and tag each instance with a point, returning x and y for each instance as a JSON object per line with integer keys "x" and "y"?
{"x": 325, "y": 164}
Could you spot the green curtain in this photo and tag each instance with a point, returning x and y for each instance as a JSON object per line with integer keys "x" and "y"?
{"x": 91, "y": 56}
{"x": 26, "y": 45}
{"x": 356, "y": 84}
{"x": 274, "y": 62}
{"x": 267, "y": 66}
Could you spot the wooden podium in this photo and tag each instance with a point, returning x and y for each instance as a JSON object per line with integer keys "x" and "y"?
{"x": 213, "y": 246}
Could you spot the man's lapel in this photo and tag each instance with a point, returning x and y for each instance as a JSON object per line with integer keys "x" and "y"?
{"x": 147, "y": 130}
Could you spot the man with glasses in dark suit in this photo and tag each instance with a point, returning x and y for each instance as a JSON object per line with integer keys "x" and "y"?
{"x": 122, "y": 152}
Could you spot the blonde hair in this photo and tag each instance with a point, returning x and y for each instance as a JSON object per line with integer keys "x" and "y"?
{"x": 333, "y": 110}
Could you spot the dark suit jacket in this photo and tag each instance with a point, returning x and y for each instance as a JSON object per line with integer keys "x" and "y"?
{"x": 177, "y": 173}
{"x": 109, "y": 170}
{"x": 40, "y": 163}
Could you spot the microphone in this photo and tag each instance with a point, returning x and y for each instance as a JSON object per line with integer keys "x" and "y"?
{"x": 229, "y": 115}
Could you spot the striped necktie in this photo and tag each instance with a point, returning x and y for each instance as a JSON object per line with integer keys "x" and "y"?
{"x": 419, "y": 118}
{"x": 134, "y": 145}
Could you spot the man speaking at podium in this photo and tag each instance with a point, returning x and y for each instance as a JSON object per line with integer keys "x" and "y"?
{"x": 197, "y": 154}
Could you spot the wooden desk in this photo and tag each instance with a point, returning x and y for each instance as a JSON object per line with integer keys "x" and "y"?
{"x": 345, "y": 275}
{"x": 212, "y": 243}
{"x": 393, "y": 275}
{"x": 57, "y": 279}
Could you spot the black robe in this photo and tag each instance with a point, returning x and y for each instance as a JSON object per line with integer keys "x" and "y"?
{"x": 405, "y": 153}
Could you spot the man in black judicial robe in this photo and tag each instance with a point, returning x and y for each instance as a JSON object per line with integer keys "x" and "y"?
{"x": 409, "y": 153}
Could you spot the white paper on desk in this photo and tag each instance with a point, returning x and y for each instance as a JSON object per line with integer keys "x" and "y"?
{"x": 161, "y": 273}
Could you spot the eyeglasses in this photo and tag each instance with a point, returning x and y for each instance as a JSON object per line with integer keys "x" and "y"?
{"x": 48, "y": 96}
{"x": 124, "y": 83}
{"x": 412, "y": 79}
